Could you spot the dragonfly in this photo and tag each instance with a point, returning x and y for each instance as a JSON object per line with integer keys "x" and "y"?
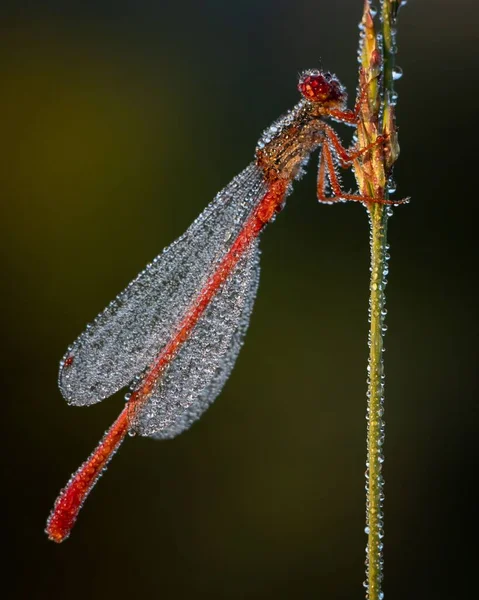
{"x": 173, "y": 335}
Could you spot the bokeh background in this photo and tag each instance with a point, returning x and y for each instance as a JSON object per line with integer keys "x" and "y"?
{"x": 120, "y": 121}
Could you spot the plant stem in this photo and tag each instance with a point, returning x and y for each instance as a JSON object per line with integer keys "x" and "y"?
{"x": 378, "y": 216}
{"x": 372, "y": 173}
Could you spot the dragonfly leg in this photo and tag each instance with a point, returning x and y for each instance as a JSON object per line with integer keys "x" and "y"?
{"x": 322, "y": 181}
{"x": 327, "y": 169}
{"x": 347, "y": 156}
{"x": 351, "y": 117}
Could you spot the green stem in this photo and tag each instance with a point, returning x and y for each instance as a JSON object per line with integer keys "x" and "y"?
{"x": 378, "y": 215}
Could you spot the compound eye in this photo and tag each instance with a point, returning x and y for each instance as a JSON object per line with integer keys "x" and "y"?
{"x": 314, "y": 87}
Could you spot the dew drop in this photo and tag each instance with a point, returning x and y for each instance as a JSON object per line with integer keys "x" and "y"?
{"x": 397, "y": 73}
{"x": 373, "y": 10}
{"x": 391, "y": 185}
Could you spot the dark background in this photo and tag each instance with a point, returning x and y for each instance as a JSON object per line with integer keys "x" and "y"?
{"x": 120, "y": 121}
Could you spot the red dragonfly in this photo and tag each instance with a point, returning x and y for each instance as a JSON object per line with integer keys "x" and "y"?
{"x": 175, "y": 332}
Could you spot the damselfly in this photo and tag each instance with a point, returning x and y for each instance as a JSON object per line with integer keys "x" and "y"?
{"x": 174, "y": 333}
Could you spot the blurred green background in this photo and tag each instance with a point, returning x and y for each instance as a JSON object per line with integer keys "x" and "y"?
{"x": 120, "y": 122}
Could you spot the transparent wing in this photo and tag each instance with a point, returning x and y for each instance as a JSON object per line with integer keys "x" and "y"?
{"x": 126, "y": 337}
{"x": 193, "y": 380}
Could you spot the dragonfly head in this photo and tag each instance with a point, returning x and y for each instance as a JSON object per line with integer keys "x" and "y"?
{"x": 323, "y": 88}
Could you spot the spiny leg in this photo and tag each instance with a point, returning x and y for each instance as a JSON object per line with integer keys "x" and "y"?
{"x": 332, "y": 174}
{"x": 328, "y": 168}
{"x": 345, "y": 155}
{"x": 321, "y": 187}
{"x": 350, "y": 117}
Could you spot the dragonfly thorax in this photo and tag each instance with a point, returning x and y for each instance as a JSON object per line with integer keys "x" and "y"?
{"x": 286, "y": 145}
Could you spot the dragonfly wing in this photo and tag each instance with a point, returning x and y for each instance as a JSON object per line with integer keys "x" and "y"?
{"x": 193, "y": 380}
{"x": 127, "y": 336}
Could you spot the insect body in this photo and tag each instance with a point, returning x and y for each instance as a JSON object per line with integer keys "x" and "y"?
{"x": 174, "y": 333}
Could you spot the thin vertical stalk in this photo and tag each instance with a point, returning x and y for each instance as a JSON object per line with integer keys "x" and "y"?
{"x": 378, "y": 216}
{"x": 373, "y": 176}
